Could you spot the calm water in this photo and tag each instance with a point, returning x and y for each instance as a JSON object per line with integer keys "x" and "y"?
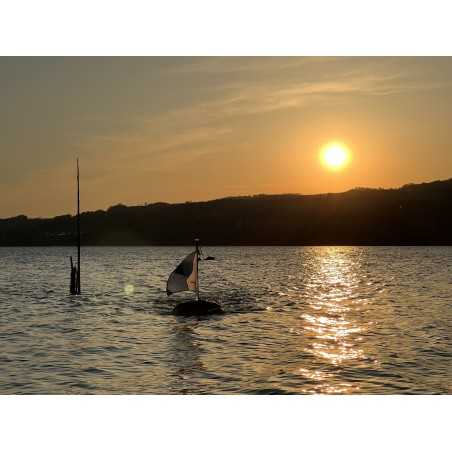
{"x": 298, "y": 320}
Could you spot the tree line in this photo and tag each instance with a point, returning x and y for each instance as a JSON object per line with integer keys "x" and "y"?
{"x": 415, "y": 214}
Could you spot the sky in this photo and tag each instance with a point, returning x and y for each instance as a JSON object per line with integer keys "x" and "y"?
{"x": 178, "y": 129}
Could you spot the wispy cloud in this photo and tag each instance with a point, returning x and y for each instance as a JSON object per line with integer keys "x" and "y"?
{"x": 259, "y": 86}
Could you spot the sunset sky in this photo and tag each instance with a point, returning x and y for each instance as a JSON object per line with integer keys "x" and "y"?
{"x": 177, "y": 129}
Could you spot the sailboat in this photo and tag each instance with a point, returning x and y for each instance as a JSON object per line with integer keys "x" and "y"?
{"x": 75, "y": 269}
{"x": 186, "y": 277}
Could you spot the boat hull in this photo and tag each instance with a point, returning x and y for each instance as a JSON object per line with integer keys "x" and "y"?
{"x": 197, "y": 308}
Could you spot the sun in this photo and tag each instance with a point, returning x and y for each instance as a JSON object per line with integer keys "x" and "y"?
{"x": 335, "y": 156}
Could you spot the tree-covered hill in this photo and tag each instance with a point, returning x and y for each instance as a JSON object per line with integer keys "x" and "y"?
{"x": 415, "y": 214}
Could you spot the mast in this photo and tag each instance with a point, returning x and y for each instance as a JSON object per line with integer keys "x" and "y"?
{"x": 197, "y": 268}
{"x": 78, "y": 230}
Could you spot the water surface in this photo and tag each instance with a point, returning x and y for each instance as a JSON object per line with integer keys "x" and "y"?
{"x": 298, "y": 320}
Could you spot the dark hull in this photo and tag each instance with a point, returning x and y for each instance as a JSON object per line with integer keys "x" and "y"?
{"x": 197, "y": 308}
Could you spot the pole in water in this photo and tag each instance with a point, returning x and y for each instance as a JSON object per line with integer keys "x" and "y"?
{"x": 197, "y": 268}
{"x": 73, "y": 283}
{"x": 78, "y": 288}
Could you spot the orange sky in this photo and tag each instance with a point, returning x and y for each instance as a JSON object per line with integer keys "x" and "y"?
{"x": 176, "y": 129}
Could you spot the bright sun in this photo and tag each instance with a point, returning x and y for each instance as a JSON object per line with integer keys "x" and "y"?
{"x": 335, "y": 156}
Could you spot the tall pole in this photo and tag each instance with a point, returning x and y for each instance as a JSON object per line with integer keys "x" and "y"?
{"x": 197, "y": 268}
{"x": 78, "y": 230}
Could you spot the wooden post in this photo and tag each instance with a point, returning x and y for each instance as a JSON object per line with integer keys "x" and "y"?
{"x": 78, "y": 287}
{"x": 197, "y": 268}
{"x": 73, "y": 282}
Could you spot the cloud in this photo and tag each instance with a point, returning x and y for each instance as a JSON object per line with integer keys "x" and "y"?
{"x": 259, "y": 86}
{"x": 229, "y": 65}
{"x": 261, "y": 97}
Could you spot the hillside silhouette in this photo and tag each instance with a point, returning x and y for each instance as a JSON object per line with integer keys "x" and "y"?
{"x": 415, "y": 214}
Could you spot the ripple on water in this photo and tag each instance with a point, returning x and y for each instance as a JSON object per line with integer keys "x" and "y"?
{"x": 299, "y": 320}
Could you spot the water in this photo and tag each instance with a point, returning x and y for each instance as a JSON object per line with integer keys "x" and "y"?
{"x": 299, "y": 320}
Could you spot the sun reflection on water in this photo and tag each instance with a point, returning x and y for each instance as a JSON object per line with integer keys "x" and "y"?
{"x": 330, "y": 323}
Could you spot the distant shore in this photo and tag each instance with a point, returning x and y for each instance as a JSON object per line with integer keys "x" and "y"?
{"x": 413, "y": 215}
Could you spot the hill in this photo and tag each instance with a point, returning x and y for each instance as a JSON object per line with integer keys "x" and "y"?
{"x": 415, "y": 214}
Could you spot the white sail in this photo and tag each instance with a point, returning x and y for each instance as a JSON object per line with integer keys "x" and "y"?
{"x": 185, "y": 276}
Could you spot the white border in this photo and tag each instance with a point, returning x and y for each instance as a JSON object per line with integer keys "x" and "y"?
{"x": 225, "y": 423}
{"x": 232, "y": 423}
{"x": 234, "y": 27}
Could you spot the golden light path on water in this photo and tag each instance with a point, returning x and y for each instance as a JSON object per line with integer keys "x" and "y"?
{"x": 335, "y": 335}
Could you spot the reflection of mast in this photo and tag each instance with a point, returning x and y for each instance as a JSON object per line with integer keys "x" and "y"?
{"x": 186, "y": 360}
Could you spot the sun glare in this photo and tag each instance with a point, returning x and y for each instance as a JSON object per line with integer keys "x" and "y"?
{"x": 335, "y": 156}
